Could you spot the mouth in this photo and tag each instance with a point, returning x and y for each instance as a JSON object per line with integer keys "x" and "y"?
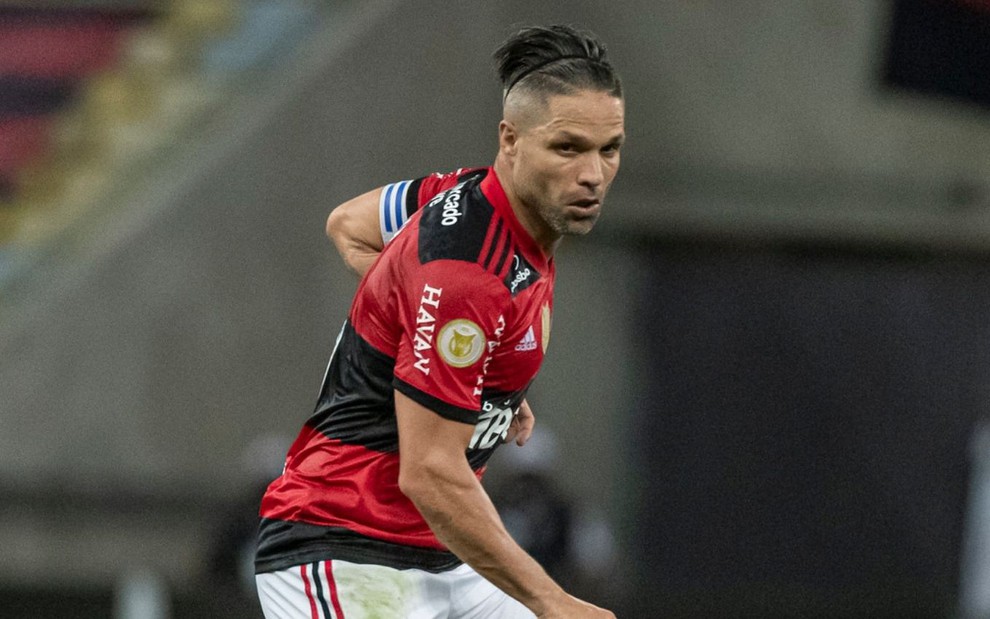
{"x": 587, "y": 203}
{"x": 585, "y": 208}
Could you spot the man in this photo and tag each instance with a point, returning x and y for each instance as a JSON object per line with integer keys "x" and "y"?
{"x": 380, "y": 511}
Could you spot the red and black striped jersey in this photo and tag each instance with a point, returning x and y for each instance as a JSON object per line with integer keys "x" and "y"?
{"x": 454, "y": 314}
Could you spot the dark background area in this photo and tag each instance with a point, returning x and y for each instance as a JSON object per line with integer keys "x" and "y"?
{"x": 804, "y": 427}
{"x": 939, "y": 48}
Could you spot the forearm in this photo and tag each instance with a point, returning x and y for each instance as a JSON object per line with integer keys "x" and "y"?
{"x": 459, "y": 512}
{"x": 358, "y": 259}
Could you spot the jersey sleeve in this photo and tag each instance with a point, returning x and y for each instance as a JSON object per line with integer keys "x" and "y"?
{"x": 400, "y": 200}
{"x": 452, "y": 316}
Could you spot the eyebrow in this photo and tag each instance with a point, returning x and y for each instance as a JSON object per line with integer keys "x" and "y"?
{"x": 567, "y": 136}
{"x": 618, "y": 139}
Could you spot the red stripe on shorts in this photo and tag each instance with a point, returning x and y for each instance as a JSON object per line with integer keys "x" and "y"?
{"x": 309, "y": 593}
{"x": 333, "y": 591}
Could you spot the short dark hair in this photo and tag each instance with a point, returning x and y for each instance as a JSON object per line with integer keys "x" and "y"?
{"x": 555, "y": 60}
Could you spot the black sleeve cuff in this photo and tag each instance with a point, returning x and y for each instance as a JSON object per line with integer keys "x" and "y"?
{"x": 412, "y": 197}
{"x": 438, "y": 406}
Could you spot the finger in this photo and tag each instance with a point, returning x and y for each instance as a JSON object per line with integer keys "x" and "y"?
{"x": 525, "y": 430}
{"x": 513, "y": 431}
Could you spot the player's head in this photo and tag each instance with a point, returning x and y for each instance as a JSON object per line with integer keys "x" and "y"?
{"x": 562, "y": 128}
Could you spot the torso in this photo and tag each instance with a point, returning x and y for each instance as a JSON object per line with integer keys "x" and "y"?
{"x": 455, "y": 315}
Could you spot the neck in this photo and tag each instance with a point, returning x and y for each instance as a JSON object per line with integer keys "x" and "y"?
{"x": 547, "y": 239}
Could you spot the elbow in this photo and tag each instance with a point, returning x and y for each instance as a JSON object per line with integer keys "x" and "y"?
{"x": 419, "y": 484}
{"x": 336, "y": 223}
{"x": 411, "y": 482}
{"x": 339, "y": 231}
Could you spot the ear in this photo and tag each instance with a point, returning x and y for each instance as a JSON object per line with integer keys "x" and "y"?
{"x": 508, "y": 138}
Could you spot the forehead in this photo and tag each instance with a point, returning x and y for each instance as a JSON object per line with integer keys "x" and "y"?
{"x": 586, "y": 111}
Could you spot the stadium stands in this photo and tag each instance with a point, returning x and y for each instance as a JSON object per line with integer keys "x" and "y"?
{"x": 91, "y": 92}
{"x": 46, "y": 54}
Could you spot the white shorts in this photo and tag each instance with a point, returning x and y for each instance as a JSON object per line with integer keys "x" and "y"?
{"x": 343, "y": 590}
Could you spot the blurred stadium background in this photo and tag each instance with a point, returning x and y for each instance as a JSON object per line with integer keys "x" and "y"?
{"x": 768, "y": 387}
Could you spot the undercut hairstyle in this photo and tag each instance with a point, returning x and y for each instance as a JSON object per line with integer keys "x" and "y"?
{"x": 555, "y": 60}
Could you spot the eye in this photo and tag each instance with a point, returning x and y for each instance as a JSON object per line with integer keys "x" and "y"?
{"x": 565, "y": 147}
{"x": 610, "y": 149}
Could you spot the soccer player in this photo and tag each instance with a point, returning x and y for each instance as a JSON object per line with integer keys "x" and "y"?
{"x": 380, "y": 511}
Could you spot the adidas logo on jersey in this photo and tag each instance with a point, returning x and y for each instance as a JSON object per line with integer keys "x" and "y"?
{"x": 528, "y": 342}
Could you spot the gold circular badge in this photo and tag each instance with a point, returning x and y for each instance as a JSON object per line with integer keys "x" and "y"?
{"x": 460, "y": 343}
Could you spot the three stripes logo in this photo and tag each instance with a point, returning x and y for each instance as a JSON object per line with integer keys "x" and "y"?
{"x": 528, "y": 342}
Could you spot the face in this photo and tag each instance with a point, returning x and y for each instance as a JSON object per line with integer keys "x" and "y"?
{"x": 562, "y": 156}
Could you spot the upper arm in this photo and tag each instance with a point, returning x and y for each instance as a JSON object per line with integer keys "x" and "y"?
{"x": 373, "y": 218}
{"x": 451, "y": 315}
{"x": 427, "y": 439}
{"x": 369, "y": 221}
{"x": 361, "y": 227}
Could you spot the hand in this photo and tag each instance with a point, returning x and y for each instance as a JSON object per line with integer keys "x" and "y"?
{"x": 522, "y": 424}
{"x": 573, "y": 608}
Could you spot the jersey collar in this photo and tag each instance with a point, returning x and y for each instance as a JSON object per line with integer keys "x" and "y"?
{"x": 491, "y": 188}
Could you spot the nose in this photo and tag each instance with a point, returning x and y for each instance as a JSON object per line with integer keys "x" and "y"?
{"x": 591, "y": 174}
